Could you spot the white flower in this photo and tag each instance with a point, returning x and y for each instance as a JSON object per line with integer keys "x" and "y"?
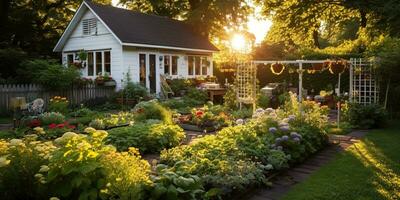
{"x": 239, "y": 121}
{"x": 44, "y": 168}
{"x": 15, "y": 142}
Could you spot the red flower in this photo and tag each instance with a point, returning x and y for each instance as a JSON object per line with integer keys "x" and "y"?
{"x": 199, "y": 113}
{"x": 52, "y": 126}
{"x": 34, "y": 123}
{"x": 60, "y": 125}
{"x": 71, "y": 126}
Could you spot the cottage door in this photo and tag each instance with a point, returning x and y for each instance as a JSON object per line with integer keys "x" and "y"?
{"x": 152, "y": 73}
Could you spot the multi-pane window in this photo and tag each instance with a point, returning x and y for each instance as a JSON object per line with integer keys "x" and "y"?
{"x": 89, "y": 26}
{"x": 167, "y": 65}
{"x": 98, "y": 63}
{"x": 204, "y": 65}
{"x": 198, "y": 64}
{"x": 70, "y": 59}
{"x": 107, "y": 62}
{"x": 190, "y": 65}
{"x": 174, "y": 65}
{"x": 90, "y": 64}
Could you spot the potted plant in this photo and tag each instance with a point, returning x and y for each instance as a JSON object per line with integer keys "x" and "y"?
{"x": 337, "y": 67}
{"x": 108, "y": 80}
{"x": 277, "y": 68}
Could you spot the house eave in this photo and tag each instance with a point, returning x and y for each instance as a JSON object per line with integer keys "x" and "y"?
{"x": 168, "y": 47}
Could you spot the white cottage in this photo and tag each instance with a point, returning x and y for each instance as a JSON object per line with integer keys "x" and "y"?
{"x": 118, "y": 41}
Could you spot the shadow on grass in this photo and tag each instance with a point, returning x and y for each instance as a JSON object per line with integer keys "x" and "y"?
{"x": 368, "y": 170}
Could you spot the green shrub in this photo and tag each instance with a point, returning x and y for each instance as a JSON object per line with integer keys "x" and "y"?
{"x": 51, "y": 118}
{"x": 177, "y": 85}
{"x": 173, "y": 183}
{"x": 50, "y": 74}
{"x": 20, "y": 162}
{"x": 58, "y": 104}
{"x": 147, "y": 137}
{"x": 367, "y": 116}
{"x": 134, "y": 91}
{"x": 198, "y": 95}
{"x": 152, "y": 110}
{"x": 112, "y": 120}
{"x": 243, "y": 113}
{"x": 263, "y": 101}
{"x": 230, "y": 100}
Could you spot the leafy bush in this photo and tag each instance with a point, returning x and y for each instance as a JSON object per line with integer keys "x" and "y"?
{"x": 76, "y": 167}
{"x": 20, "y": 161}
{"x": 50, "y": 74}
{"x": 242, "y": 113}
{"x": 177, "y": 85}
{"x": 147, "y": 137}
{"x": 230, "y": 100}
{"x": 366, "y": 116}
{"x": 134, "y": 91}
{"x": 263, "y": 101}
{"x": 58, "y": 104}
{"x": 199, "y": 96}
{"x": 152, "y": 110}
{"x": 112, "y": 120}
{"x": 51, "y": 118}
{"x": 173, "y": 183}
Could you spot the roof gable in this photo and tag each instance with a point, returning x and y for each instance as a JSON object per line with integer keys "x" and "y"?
{"x": 137, "y": 29}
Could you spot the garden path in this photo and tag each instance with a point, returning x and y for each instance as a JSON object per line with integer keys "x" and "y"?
{"x": 283, "y": 182}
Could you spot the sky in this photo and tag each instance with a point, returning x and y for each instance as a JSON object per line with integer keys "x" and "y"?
{"x": 258, "y": 26}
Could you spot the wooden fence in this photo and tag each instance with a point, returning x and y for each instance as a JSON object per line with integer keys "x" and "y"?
{"x": 75, "y": 95}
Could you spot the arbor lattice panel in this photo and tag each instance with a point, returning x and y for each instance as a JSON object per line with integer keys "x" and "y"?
{"x": 363, "y": 83}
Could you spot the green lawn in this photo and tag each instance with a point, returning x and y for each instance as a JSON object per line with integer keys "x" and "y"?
{"x": 370, "y": 170}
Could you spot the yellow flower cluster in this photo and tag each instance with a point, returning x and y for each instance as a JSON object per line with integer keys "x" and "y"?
{"x": 39, "y": 130}
{"x": 59, "y": 99}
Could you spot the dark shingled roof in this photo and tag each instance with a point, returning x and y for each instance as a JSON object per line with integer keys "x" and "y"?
{"x": 135, "y": 27}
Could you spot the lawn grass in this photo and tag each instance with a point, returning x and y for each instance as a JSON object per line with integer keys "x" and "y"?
{"x": 370, "y": 170}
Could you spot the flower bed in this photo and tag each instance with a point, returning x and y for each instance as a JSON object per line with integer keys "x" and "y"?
{"x": 246, "y": 154}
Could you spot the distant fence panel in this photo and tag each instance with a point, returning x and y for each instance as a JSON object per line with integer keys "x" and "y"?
{"x": 75, "y": 95}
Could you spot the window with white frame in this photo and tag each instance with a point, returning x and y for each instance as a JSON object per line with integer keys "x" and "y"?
{"x": 174, "y": 66}
{"x": 89, "y": 26}
{"x": 200, "y": 65}
{"x": 70, "y": 59}
{"x": 167, "y": 65}
{"x": 98, "y": 63}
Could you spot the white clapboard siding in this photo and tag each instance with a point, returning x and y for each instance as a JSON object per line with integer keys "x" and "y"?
{"x": 75, "y": 95}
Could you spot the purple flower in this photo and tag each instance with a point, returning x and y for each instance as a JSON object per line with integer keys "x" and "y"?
{"x": 272, "y": 130}
{"x": 285, "y": 138}
{"x": 284, "y": 128}
{"x": 283, "y": 124}
{"x": 294, "y": 134}
{"x": 297, "y": 140}
{"x": 269, "y": 110}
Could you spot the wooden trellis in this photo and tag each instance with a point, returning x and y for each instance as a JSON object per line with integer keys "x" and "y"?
{"x": 246, "y": 80}
{"x": 364, "y": 88}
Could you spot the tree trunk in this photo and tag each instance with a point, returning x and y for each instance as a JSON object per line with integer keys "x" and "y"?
{"x": 363, "y": 16}
{"x": 315, "y": 35}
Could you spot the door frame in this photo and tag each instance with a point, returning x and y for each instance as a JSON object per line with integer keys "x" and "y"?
{"x": 157, "y": 69}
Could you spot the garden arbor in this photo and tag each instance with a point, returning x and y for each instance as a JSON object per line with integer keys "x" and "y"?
{"x": 363, "y": 88}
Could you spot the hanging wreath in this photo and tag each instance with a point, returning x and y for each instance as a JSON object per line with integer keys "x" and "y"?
{"x": 277, "y": 68}
{"x": 337, "y": 67}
